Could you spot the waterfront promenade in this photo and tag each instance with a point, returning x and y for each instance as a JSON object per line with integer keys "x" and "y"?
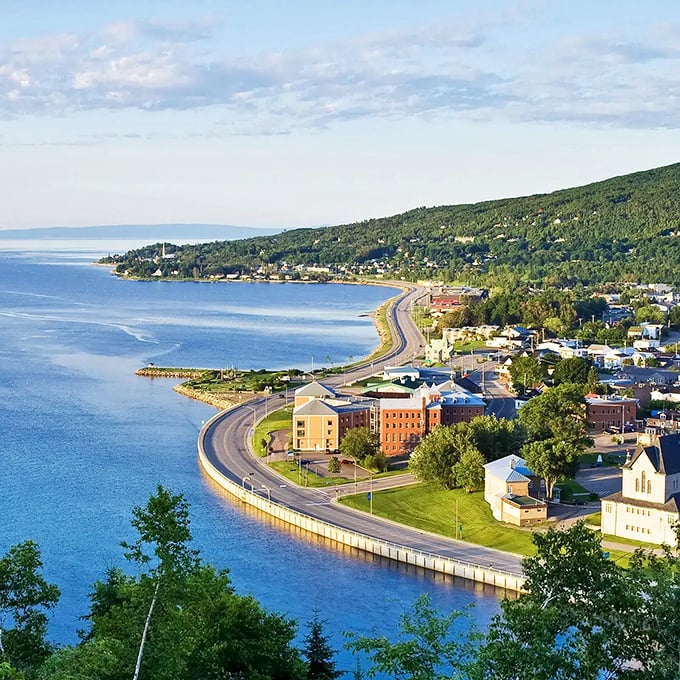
{"x": 225, "y": 454}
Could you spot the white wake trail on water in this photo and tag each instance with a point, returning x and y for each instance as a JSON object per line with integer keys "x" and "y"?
{"x": 136, "y": 333}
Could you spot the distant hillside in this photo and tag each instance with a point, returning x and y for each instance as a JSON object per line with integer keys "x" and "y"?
{"x": 144, "y": 232}
{"x": 622, "y": 229}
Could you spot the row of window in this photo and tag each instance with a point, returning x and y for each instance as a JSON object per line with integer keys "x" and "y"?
{"x": 640, "y": 511}
{"x": 643, "y": 484}
{"x": 402, "y": 437}
{"x": 639, "y": 530}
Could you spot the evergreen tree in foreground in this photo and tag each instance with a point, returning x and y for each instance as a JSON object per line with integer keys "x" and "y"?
{"x": 319, "y": 653}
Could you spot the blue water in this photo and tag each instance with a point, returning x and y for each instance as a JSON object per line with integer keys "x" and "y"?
{"x": 84, "y": 439}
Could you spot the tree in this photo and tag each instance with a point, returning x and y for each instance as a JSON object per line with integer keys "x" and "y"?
{"x": 427, "y": 649}
{"x": 433, "y": 458}
{"x": 318, "y": 652}
{"x": 162, "y": 525}
{"x": 572, "y": 370}
{"x": 359, "y": 442}
{"x": 497, "y": 437}
{"x": 552, "y": 460}
{"x": 468, "y": 472}
{"x": 559, "y": 413}
{"x": 582, "y": 617}
{"x": 649, "y": 313}
{"x": 526, "y": 373}
{"x": 25, "y": 597}
{"x": 376, "y": 462}
{"x": 333, "y": 465}
{"x": 195, "y": 626}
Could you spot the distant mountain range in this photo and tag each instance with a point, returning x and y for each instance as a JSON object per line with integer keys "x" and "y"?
{"x": 624, "y": 229}
{"x": 142, "y": 232}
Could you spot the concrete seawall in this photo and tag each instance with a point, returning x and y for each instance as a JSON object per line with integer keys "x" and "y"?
{"x": 399, "y": 553}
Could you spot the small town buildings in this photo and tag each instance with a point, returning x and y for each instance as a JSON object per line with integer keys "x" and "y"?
{"x": 448, "y": 298}
{"x": 613, "y": 413}
{"x": 511, "y": 489}
{"x": 663, "y": 423}
{"x": 652, "y": 376}
{"x": 313, "y": 390}
{"x": 648, "y": 506}
{"x": 401, "y": 372}
{"x": 404, "y": 422}
{"x": 320, "y": 425}
{"x": 321, "y": 417}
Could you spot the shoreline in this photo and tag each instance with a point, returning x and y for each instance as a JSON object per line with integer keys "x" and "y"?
{"x": 224, "y": 403}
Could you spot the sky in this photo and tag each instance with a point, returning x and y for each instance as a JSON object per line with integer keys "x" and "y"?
{"x": 311, "y": 112}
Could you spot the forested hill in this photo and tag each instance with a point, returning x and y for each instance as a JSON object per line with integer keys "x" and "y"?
{"x": 622, "y": 229}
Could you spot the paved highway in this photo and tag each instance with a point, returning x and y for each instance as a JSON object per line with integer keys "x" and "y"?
{"x": 226, "y": 442}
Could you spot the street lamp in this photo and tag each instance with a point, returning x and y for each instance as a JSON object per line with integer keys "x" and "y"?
{"x": 354, "y": 460}
{"x": 254, "y": 410}
{"x": 248, "y": 478}
{"x": 269, "y": 493}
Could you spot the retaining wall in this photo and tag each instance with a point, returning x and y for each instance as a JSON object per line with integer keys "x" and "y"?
{"x": 367, "y": 544}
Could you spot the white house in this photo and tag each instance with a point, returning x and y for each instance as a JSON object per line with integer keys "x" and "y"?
{"x": 648, "y": 506}
{"x": 508, "y": 484}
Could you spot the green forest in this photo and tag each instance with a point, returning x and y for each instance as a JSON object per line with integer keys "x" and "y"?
{"x": 171, "y": 616}
{"x": 624, "y": 229}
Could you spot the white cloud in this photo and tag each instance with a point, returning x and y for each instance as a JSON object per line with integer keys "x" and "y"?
{"x": 478, "y": 72}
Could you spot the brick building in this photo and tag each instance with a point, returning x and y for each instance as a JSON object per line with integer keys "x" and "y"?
{"x": 611, "y": 413}
{"x": 405, "y": 421}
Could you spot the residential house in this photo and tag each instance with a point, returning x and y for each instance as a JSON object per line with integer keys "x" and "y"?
{"x": 652, "y": 376}
{"x": 511, "y": 489}
{"x": 648, "y": 506}
{"x": 662, "y": 423}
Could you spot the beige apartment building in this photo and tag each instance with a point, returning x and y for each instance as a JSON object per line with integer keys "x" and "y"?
{"x": 321, "y": 417}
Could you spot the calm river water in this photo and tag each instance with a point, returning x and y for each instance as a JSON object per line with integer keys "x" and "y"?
{"x": 84, "y": 439}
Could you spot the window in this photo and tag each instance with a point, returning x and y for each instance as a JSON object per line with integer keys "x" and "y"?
{"x": 637, "y": 484}
{"x": 649, "y": 486}
{"x": 643, "y": 480}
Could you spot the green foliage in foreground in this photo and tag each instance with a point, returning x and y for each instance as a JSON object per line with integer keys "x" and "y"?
{"x": 178, "y": 618}
{"x": 583, "y": 618}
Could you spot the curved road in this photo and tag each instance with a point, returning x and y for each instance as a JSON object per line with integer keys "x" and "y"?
{"x": 226, "y": 442}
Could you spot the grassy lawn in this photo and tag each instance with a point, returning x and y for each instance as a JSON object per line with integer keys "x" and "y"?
{"x": 278, "y": 420}
{"x": 630, "y": 541}
{"x": 571, "y": 490}
{"x": 608, "y": 459}
{"x": 432, "y": 509}
{"x": 289, "y": 469}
